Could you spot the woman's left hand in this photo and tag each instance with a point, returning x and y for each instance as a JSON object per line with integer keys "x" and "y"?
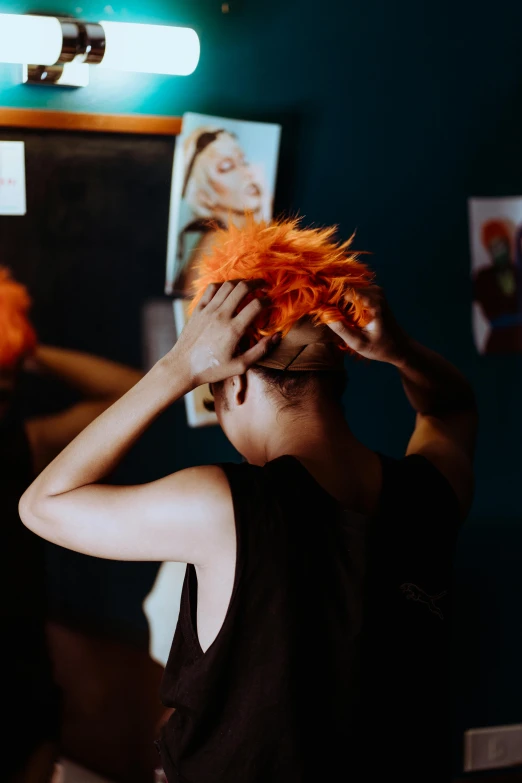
{"x": 208, "y": 345}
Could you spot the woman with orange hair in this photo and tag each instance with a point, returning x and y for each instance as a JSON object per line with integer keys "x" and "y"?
{"x": 312, "y": 642}
{"x": 29, "y": 697}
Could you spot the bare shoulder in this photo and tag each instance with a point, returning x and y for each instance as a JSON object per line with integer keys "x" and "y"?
{"x": 208, "y": 240}
{"x": 206, "y": 485}
{"x": 203, "y": 497}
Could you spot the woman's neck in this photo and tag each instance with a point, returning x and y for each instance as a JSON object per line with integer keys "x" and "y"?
{"x": 321, "y": 439}
{"x": 297, "y": 431}
{"x": 238, "y": 217}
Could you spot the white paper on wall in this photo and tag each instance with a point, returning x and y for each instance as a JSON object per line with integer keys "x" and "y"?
{"x": 161, "y": 608}
{"x": 12, "y": 178}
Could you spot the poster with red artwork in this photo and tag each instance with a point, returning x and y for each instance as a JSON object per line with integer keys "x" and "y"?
{"x": 496, "y": 270}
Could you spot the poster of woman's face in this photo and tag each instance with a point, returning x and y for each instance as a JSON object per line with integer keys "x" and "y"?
{"x": 223, "y": 170}
{"x": 496, "y": 258}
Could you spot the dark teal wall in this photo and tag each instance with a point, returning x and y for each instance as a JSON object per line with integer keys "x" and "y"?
{"x": 393, "y": 115}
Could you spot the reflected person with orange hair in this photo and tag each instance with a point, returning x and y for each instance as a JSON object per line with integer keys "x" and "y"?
{"x": 30, "y": 698}
{"x": 498, "y": 288}
{"x": 316, "y": 605}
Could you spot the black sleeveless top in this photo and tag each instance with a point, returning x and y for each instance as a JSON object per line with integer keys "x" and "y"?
{"x": 333, "y": 659}
{"x": 29, "y": 696}
{"x": 22, "y": 551}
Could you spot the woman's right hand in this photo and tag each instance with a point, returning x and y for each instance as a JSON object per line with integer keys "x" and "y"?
{"x": 207, "y": 349}
{"x": 382, "y": 340}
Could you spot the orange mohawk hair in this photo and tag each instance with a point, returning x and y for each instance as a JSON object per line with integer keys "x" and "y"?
{"x": 306, "y": 273}
{"x": 494, "y": 229}
{"x": 17, "y": 336}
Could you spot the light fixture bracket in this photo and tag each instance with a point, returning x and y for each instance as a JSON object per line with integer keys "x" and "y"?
{"x": 83, "y": 45}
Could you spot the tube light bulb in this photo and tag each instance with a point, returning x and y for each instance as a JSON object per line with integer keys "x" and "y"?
{"x": 30, "y": 39}
{"x": 147, "y": 48}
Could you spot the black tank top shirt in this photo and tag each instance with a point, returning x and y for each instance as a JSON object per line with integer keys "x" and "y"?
{"x": 30, "y": 697}
{"x": 23, "y": 574}
{"x": 332, "y": 663}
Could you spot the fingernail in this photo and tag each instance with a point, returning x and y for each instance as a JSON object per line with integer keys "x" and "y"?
{"x": 276, "y": 338}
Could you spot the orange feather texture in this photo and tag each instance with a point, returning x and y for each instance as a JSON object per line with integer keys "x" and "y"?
{"x": 17, "y": 336}
{"x": 306, "y": 272}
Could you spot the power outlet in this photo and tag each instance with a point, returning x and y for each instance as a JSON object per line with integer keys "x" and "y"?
{"x": 492, "y": 748}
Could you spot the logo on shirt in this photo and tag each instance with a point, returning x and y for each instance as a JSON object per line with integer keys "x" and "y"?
{"x": 415, "y": 593}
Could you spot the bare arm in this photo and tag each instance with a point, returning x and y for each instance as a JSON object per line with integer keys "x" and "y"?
{"x": 92, "y": 376}
{"x": 101, "y": 382}
{"x": 168, "y": 519}
{"x": 438, "y": 391}
{"x": 446, "y": 422}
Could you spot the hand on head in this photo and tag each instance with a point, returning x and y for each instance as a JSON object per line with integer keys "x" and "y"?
{"x": 382, "y": 339}
{"x": 208, "y": 345}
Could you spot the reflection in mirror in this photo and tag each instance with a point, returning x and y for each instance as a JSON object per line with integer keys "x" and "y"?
{"x": 81, "y": 269}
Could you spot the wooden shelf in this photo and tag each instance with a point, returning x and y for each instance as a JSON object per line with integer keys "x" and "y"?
{"x": 101, "y": 123}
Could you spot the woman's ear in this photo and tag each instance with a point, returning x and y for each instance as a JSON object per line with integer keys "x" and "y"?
{"x": 239, "y": 388}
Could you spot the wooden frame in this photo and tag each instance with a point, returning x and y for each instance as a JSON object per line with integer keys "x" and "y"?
{"x": 103, "y": 123}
